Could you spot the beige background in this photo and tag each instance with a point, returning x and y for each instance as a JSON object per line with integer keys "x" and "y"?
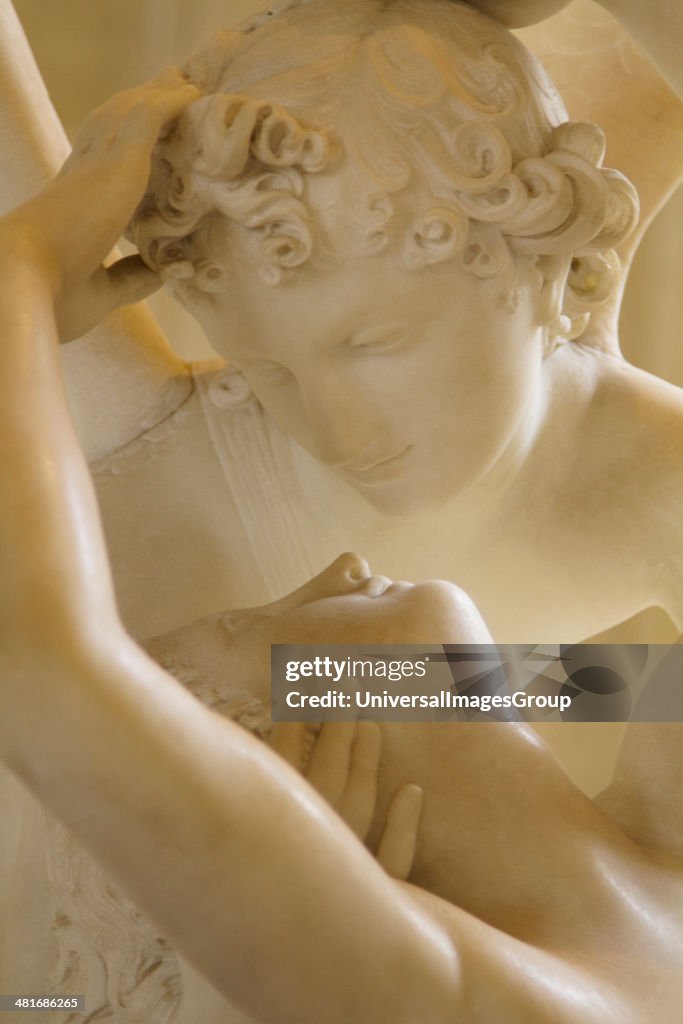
{"x": 87, "y": 51}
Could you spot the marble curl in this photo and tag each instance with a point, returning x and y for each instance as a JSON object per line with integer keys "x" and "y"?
{"x": 425, "y": 128}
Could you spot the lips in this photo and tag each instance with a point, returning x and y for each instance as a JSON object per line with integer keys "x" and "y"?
{"x": 377, "y": 469}
{"x": 374, "y": 586}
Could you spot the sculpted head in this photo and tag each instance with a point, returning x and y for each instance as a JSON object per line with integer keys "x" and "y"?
{"x": 396, "y": 189}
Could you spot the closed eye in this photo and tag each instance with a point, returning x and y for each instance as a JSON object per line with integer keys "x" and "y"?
{"x": 265, "y": 370}
{"x": 381, "y": 341}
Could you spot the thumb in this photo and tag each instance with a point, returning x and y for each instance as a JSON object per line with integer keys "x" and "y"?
{"x": 130, "y": 280}
{"x": 123, "y": 283}
{"x": 518, "y": 13}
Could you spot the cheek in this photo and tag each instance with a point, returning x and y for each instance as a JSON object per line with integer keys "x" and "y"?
{"x": 327, "y": 622}
{"x": 352, "y": 619}
{"x": 446, "y": 613}
{"x": 476, "y": 389}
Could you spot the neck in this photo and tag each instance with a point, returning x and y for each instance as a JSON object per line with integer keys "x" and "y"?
{"x": 546, "y": 437}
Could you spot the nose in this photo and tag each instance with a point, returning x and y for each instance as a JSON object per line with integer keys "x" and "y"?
{"x": 346, "y": 571}
{"x": 343, "y": 576}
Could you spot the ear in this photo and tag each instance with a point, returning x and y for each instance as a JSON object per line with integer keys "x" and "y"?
{"x": 553, "y": 272}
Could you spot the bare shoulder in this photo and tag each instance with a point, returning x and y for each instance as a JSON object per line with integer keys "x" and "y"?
{"x": 648, "y": 414}
{"x": 643, "y": 415}
{"x": 625, "y": 424}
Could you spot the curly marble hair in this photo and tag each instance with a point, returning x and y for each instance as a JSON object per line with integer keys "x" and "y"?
{"x": 437, "y": 134}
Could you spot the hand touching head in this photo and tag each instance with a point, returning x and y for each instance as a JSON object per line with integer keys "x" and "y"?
{"x": 422, "y": 130}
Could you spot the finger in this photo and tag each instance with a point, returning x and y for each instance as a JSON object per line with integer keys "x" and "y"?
{"x": 329, "y": 767}
{"x": 130, "y": 280}
{"x": 155, "y": 112}
{"x": 159, "y": 102}
{"x": 169, "y": 77}
{"x": 521, "y": 13}
{"x": 360, "y": 795}
{"x": 136, "y": 115}
{"x": 397, "y": 846}
{"x": 82, "y": 308}
{"x": 287, "y": 740}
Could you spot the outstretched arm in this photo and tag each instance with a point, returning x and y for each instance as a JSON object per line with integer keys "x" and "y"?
{"x": 618, "y": 63}
{"x": 179, "y": 804}
{"x": 657, "y": 26}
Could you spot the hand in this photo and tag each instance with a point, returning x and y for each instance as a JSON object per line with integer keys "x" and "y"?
{"x": 518, "y": 13}
{"x": 343, "y": 768}
{"x": 656, "y": 27}
{"x": 68, "y": 229}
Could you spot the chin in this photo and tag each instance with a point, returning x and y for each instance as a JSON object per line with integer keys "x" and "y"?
{"x": 404, "y": 502}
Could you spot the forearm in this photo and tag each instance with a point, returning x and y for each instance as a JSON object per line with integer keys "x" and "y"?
{"x": 244, "y": 869}
{"x": 603, "y": 77}
{"x": 178, "y": 804}
{"x": 658, "y": 31}
{"x": 127, "y": 355}
{"x": 33, "y": 143}
{"x": 54, "y": 566}
{"x": 656, "y": 27}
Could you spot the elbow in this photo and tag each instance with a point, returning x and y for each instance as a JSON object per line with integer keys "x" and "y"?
{"x": 52, "y": 673}
{"x": 43, "y": 631}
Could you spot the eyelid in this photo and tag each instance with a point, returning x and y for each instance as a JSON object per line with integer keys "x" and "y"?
{"x": 255, "y": 367}
{"x": 381, "y": 341}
